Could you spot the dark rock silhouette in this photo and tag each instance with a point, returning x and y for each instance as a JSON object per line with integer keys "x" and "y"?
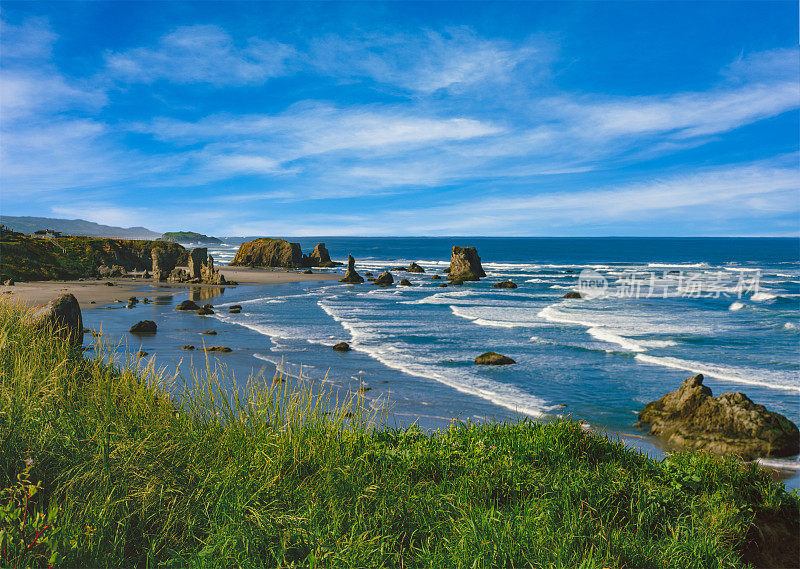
{"x": 342, "y": 347}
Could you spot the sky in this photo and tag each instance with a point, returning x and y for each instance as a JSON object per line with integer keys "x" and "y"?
{"x": 404, "y": 118}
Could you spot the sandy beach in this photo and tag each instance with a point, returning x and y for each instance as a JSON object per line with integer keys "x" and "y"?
{"x": 95, "y": 293}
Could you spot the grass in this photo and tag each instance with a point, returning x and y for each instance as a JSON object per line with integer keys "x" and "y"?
{"x": 131, "y": 472}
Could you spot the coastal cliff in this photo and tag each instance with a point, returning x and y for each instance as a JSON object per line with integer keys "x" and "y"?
{"x": 27, "y": 258}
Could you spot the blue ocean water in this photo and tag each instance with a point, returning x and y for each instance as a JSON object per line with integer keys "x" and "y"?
{"x": 669, "y": 308}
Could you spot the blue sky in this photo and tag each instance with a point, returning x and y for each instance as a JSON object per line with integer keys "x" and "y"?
{"x": 435, "y": 118}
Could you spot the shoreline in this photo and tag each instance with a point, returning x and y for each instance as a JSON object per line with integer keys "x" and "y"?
{"x": 96, "y": 293}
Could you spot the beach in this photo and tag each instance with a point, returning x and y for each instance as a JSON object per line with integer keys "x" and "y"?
{"x": 96, "y": 293}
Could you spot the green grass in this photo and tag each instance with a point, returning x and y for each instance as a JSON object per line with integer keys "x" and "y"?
{"x": 134, "y": 474}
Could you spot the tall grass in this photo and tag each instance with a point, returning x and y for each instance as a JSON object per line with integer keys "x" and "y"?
{"x": 147, "y": 471}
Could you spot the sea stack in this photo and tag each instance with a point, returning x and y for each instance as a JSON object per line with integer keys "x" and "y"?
{"x": 265, "y": 252}
{"x": 351, "y": 276}
{"x": 197, "y": 259}
{"x": 465, "y": 264}
{"x": 729, "y": 424}
{"x": 320, "y": 257}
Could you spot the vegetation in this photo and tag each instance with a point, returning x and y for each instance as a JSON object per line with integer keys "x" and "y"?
{"x": 27, "y": 258}
{"x": 188, "y": 237}
{"x": 131, "y": 470}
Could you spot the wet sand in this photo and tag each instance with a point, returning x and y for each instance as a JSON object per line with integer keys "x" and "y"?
{"x": 95, "y": 293}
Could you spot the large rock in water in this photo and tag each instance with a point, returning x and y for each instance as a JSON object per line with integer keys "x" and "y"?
{"x": 63, "y": 316}
{"x": 320, "y": 257}
{"x": 729, "y": 424}
{"x": 267, "y": 252}
{"x": 351, "y": 276}
{"x": 384, "y": 279}
{"x": 465, "y": 264}
{"x": 197, "y": 259}
{"x": 415, "y": 268}
{"x": 493, "y": 359}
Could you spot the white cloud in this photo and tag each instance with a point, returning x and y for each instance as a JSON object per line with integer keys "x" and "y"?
{"x": 453, "y": 59}
{"x": 201, "y": 54}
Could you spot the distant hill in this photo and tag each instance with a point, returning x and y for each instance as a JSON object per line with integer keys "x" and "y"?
{"x": 189, "y": 237}
{"x": 27, "y": 224}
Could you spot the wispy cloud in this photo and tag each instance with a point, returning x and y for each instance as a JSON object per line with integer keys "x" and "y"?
{"x": 452, "y": 59}
{"x": 201, "y": 54}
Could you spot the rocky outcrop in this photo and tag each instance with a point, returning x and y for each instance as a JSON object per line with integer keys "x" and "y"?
{"x": 319, "y": 257}
{"x": 436, "y": 278}
{"x": 210, "y": 275}
{"x": 505, "y": 284}
{"x": 109, "y": 272}
{"x": 729, "y": 424}
{"x": 415, "y": 268}
{"x": 493, "y": 359}
{"x": 197, "y": 257}
{"x": 223, "y": 349}
{"x": 62, "y": 316}
{"x": 267, "y": 252}
{"x": 351, "y": 276}
{"x": 572, "y": 294}
{"x": 144, "y": 327}
{"x": 465, "y": 264}
{"x": 405, "y": 282}
{"x": 187, "y": 305}
{"x": 384, "y": 279}
{"x": 342, "y": 347}
{"x": 161, "y": 266}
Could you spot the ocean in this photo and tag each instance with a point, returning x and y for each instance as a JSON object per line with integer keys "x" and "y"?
{"x": 660, "y": 310}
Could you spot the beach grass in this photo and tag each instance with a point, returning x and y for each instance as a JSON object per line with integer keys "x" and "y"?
{"x": 110, "y": 465}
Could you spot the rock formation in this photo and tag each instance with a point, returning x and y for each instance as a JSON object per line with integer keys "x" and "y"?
{"x": 493, "y": 359}
{"x": 384, "y": 279}
{"x": 223, "y": 349}
{"x": 436, "y": 278}
{"x": 351, "y": 276}
{"x": 572, "y": 294}
{"x": 113, "y": 271}
{"x": 187, "y": 305}
{"x": 62, "y": 315}
{"x": 144, "y": 327}
{"x": 210, "y": 275}
{"x": 319, "y": 256}
{"x": 465, "y": 264}
{"x": 415, "y": 268}
{"x": 342, "y": 347}
{"x": 163, "y": 263}
{"x": 197, "y": 257}
{"x": 505, "y": 284}
{"x": 267, "y": 252}
{"x": 729, "y": 424}
{"x": 405, "y": 282}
